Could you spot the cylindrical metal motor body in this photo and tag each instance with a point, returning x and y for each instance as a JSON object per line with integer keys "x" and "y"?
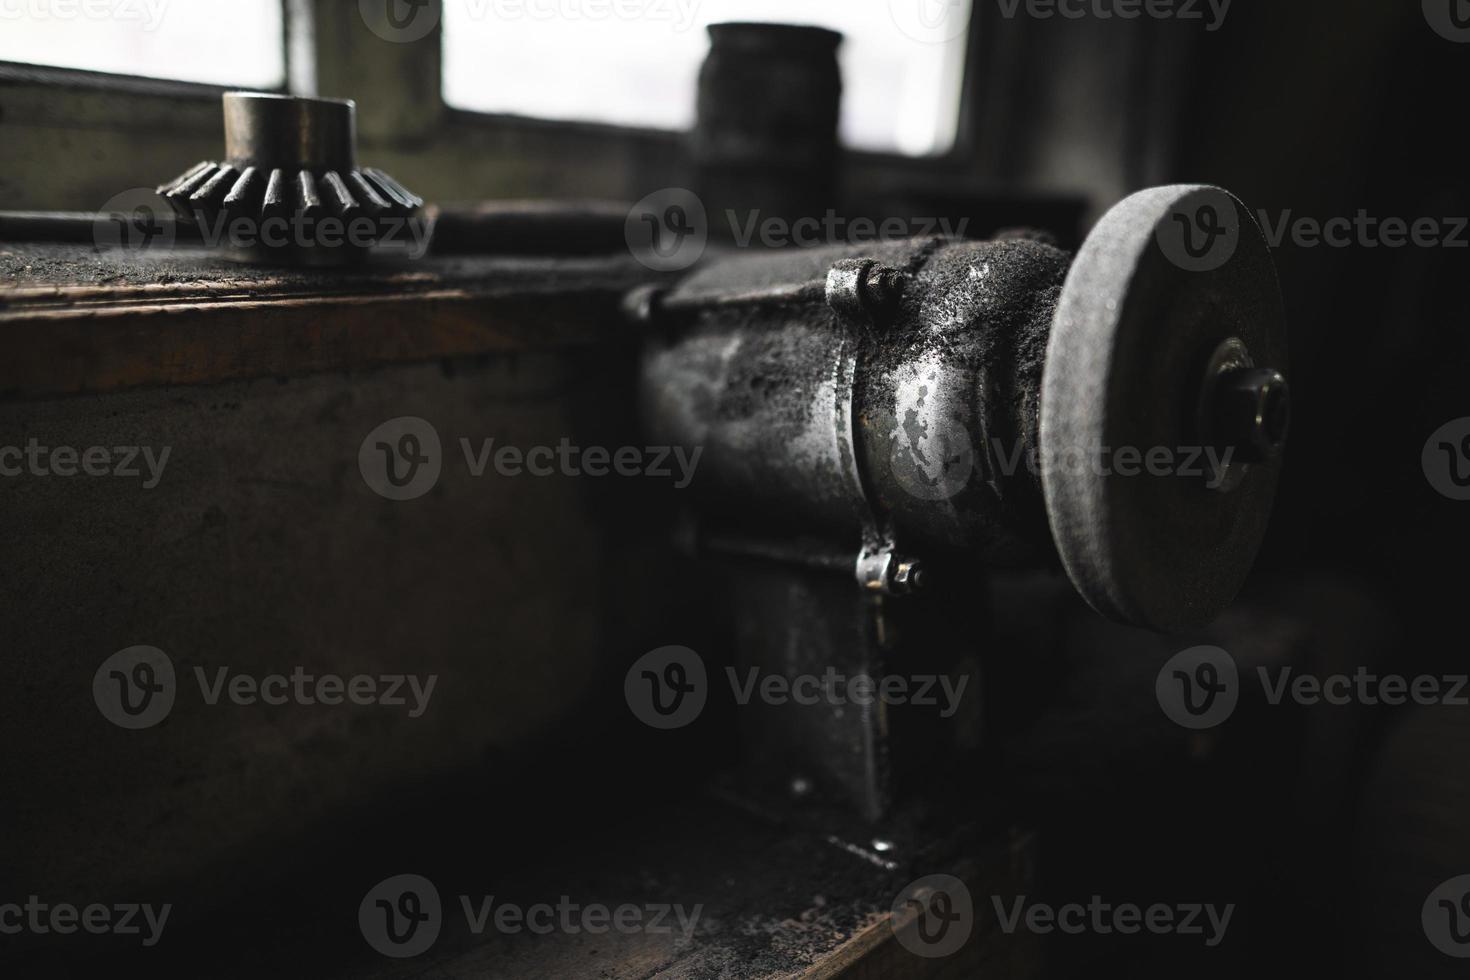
{"x": 820, "y": 425}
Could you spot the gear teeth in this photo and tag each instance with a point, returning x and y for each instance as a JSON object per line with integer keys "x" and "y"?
{"x": 337, "y": 198}
{"x": 399, "y": 194}
{"x": 209, "y": 190}
{"x": 372, "y": 202}
{"x": 211, "y": 194}
{"x": 178, "y": 193}
{"x": 164, "y": 190}
{"x": 245, "y": 197}
{"x": 309, "y": 202}
{"x": 277, "y": 203}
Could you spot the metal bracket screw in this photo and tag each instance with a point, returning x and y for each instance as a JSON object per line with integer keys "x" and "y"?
{"x": 883, "y": 572}
{"x": 863, "y": 292}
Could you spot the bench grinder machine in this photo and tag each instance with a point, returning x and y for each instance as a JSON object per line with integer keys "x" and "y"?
{"x": 883, "y": 424}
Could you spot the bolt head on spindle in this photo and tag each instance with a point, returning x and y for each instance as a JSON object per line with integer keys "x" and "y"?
{"x": 1251, "y": 413}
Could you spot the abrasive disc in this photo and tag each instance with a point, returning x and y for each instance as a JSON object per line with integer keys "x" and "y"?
{"x": 1170, "y": 283}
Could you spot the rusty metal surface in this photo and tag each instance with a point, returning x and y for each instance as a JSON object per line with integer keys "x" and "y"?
{"x": 814, "y": 423}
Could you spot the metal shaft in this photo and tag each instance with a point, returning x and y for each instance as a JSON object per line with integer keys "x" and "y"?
{"x": 283, "y": 131}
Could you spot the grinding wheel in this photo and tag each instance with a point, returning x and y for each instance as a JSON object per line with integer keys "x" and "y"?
{"x": 1169, "y": 337}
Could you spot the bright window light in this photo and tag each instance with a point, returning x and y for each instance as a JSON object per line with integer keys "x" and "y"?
{"x": 635, "y": 62}
{"x": 222, "y": 42}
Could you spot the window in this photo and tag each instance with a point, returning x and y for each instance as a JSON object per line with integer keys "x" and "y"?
{"x": 223, "y": 42}
{"x": 635, "y": 62}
